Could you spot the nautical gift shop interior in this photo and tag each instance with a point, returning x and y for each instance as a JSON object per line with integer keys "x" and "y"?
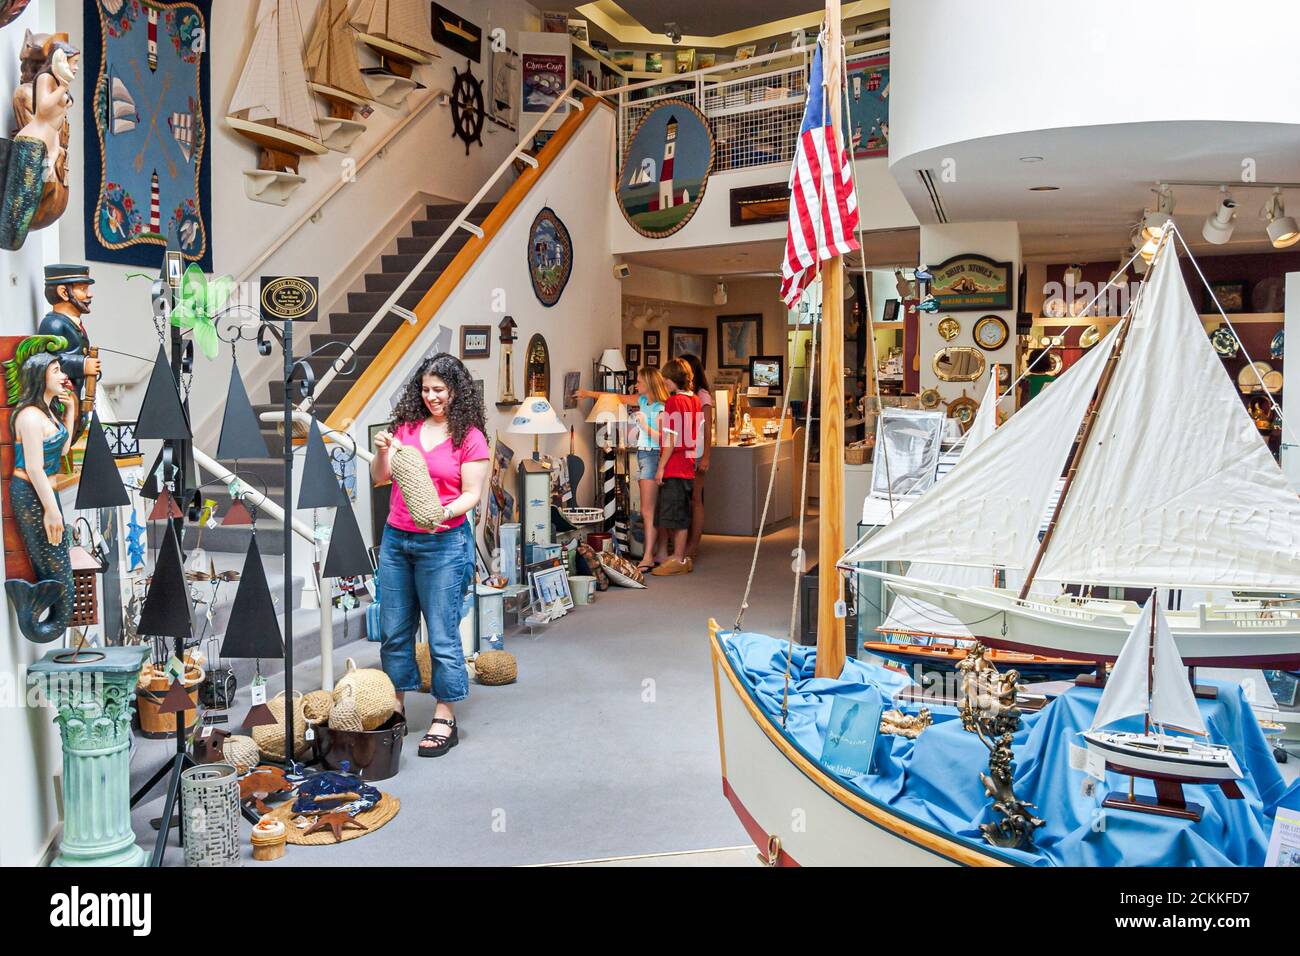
{"x": 1022, "y": 421}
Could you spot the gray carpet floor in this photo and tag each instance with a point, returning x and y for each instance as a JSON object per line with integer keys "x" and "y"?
{"x": 605, "y": 747}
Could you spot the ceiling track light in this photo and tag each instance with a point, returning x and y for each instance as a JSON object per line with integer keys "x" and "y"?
{"x": 1218, "y": 225}
{"x": 1153, "y": 224}
{"x": 1282, "y": 229}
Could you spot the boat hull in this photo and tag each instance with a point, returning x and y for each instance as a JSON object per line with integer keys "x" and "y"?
{"x": 945, "y": 658}
{"x": 1096, "y": 630}
{"x": 1155, "y": 765}
{"x": 778, "y": 792}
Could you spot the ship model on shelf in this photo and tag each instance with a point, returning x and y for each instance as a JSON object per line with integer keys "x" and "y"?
{"x": 272, "y": 107}
{"x": 334, "y": 75}
{"x": 398, "y": 31}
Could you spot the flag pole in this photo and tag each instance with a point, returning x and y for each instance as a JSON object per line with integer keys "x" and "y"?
{"x": 830, "y": 629}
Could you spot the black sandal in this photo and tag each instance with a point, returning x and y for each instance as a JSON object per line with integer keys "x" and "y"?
{"x": 441, "y": 742}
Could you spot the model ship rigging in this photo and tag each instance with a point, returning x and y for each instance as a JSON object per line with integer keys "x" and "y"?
{"x": 333, "y": 72}
{"x": 398, "y": 31}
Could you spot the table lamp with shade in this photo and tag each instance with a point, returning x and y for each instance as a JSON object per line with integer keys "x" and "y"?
{"x": 535, "y": 416}
{"x": 608, "y": 369}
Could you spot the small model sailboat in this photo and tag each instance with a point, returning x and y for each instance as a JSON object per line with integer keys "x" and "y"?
{"x": 271, "y": 105}
{"x": 398, "y": 30}
{"x": 1149, "y": 678}
{"x": 1171, "y": 486}
{"x": 122, "y": 114}
{"x": 182, "y": 127}
{"x": 332, "y": 69}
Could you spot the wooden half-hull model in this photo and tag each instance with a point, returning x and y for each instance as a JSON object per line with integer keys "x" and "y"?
{"x": 271, "y": 106}
{"x": 398, "y": 32}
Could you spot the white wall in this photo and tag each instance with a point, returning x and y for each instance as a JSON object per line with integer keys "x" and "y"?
{"x": 997, "y": 240}
{"x": 577, "y": 329}
{"x": 962, "y": 70}
{"x": 357, "y": 221}
{"x": 1291, "y": 369}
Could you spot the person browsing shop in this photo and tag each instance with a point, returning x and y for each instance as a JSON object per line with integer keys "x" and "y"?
{"x": 700, "y": 388}
{"x": 678, "y": 450}
{"x": 425, "y": 571}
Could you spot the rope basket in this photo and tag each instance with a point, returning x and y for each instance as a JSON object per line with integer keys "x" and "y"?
{"x": 345, "y": 715}
{"x": 373, "y": 691}
{"x": 241, "y": 752}
{"x": 270, "y": 737}
{"x": 424, "y": 661}
{"x": 495, "y": 668}
{"x": 411, "y": 472}
{"x": 317, "y": 705}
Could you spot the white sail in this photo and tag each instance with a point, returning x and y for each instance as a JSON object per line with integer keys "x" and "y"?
{"x": 273, "y": 85}
{"x": 1176, "y": 487}
{"x": 986, "y": 513}
{"x": 986, "y": 419}
{"x": 1173, "y": 704}
{"x": 401, "y": 21}
{"x": 332, "y": 54}
{"x": 1127, "y": 692}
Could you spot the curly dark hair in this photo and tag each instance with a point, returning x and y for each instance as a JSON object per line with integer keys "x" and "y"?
{"x": 465, "y": 409}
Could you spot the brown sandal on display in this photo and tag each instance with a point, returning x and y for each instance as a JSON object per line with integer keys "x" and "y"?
{"x": 435, "y": 745}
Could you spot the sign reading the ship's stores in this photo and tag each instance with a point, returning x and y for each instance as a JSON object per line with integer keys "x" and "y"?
{"x": 968, "y": 282}
{"x": 290, "y": 298}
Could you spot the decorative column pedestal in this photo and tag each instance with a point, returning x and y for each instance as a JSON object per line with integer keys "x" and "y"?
{"x": 93, "y": 703}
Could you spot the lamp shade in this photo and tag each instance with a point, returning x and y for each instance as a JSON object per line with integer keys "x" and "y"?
{"x": 608, "y": 410}
{"x": 612, "y": 359}
{"x": 536, "y": 417}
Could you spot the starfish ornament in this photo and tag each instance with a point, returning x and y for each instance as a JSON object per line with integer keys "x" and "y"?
{"x": 337, "y": 821}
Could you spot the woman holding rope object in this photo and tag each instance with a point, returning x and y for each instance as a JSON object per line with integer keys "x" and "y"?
{"x": 426, "y": 569}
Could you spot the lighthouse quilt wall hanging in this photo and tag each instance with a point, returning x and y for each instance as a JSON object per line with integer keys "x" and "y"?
{"x": 665, "y": 169}
{"x": 145, "y": 104}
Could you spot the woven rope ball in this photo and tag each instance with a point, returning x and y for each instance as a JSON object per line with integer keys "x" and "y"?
{"x": 270, "y": 737}
{"x": 376, "y": 698}
{"x": 344, "y": 715}
{"x": 241, "y": 752}
{"x": 411, "y": 472}
{"x": 317, "y": 706}
{"x": 496, "y": 667}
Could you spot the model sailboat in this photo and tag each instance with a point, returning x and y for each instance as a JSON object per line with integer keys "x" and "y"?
{"x": 271, "y": 105}
{"x": 122, "y": 113}
{"x": 1149, "y": 679}
{"x": 332, "y": 69}
{"x": 398, "y": 30}
{"x": 1171, "y": 486}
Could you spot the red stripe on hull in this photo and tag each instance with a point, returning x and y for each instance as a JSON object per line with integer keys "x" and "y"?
{"x": 1262, "y": 661}
{"x": 756, "y": 832}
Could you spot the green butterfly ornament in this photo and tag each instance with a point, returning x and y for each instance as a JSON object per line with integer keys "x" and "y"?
{"x": 198, "y": 302}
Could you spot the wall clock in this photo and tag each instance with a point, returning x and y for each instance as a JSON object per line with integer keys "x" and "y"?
{"x": 991, "y": 333}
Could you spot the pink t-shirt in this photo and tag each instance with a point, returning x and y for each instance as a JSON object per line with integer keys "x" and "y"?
{"x": 444, "y": 467}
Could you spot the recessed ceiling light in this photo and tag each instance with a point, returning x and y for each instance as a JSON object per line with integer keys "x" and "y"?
{"x": 1043, "y": 189}
{"x": 1031, "y": 159}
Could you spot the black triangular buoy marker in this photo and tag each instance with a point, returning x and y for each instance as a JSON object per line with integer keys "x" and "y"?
{"x": 347, "y": 555}
{"x": 101, "y": 484}
{"x": 241, "y": 434}
{"x": 254, "y": 629}
{"x": 319, "y": 488}
{"x": 167, "y": 610}
{"x": 177, "y": 700}
{"x": 161, "y": 415}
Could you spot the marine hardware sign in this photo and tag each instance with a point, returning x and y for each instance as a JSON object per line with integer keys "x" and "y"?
{"x": 971, "y": 282}
{"x": 290, "y": 298}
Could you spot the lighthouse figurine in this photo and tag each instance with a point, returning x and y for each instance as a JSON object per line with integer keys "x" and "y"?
{"x": 506, "y": 388}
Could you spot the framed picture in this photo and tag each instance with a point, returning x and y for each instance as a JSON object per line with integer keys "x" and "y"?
{"x": 891, "y": 311}
{"x": 456, "y": 33}
{"x": 550, "y": 585}
{"x": 769, "y": 371}
{"x": 632, "y": 354}
{"x": 650, "y": 339}
{"x": 688, "y": 340}
{"x": 746, "y": 51}
{"x": 475, "y": 341}
{"x": 578, "y": 30}
{"x": 972, "y": 282}
{"x": 739, "y": 337}
{"x": 652, "y": 358}
{"x": 1231, "y": 295}
{"x": 754, "y": 205}
{"x": 572, "y": 381}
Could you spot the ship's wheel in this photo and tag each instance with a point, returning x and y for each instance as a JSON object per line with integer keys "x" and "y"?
{"x": 467, "y": 109}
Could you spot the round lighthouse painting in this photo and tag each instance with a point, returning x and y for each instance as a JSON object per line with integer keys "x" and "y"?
{"x": 665, "y": 169}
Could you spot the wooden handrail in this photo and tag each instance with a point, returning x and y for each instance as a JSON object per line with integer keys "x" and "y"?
{"x": 399, "y": 343}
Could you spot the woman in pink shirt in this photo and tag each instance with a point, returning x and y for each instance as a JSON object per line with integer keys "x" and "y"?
{"x": 423, "y": 571}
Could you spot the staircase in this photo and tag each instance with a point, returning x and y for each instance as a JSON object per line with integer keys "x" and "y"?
{"x": 342, "y": 327}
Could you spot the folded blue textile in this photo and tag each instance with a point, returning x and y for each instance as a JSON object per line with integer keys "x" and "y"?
{"x": 934, "y": 779}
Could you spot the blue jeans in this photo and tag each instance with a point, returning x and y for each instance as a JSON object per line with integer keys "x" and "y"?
{"x": 425, "y": 573}
{"x": 647, "y": 463}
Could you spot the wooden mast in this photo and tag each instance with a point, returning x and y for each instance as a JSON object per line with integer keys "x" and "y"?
{"x": 830, "y": 541}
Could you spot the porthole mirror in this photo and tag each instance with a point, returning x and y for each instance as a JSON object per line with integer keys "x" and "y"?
{"x": 958, "y": 363}
{"x": 537, "y": 367}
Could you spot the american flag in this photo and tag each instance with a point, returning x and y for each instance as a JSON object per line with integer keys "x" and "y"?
{"x": 823, "y": 209}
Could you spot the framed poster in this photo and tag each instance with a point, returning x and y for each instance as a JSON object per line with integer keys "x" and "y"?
{"x": 545, "y": 76}
{"x": 665, "y": 169}
{"x": 652, "y": 358}
{"x": 632, "y": 355}
{"x": 739, "y": 338}
{"x": 650, "y": 338}
{"x": 755, "y": 205}
{"x": 572, "y": 382}
{"x": 868, "y": 107}
{"x": 971, "y": 282}
{"x": 475, "y": 341}
{"x": 456, "y": 33}
{"x": 148, "y": 170}
{"x": 550, "y": 256}
{"x": 688, "y": 340}
{"x": 1231, "y": 296}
